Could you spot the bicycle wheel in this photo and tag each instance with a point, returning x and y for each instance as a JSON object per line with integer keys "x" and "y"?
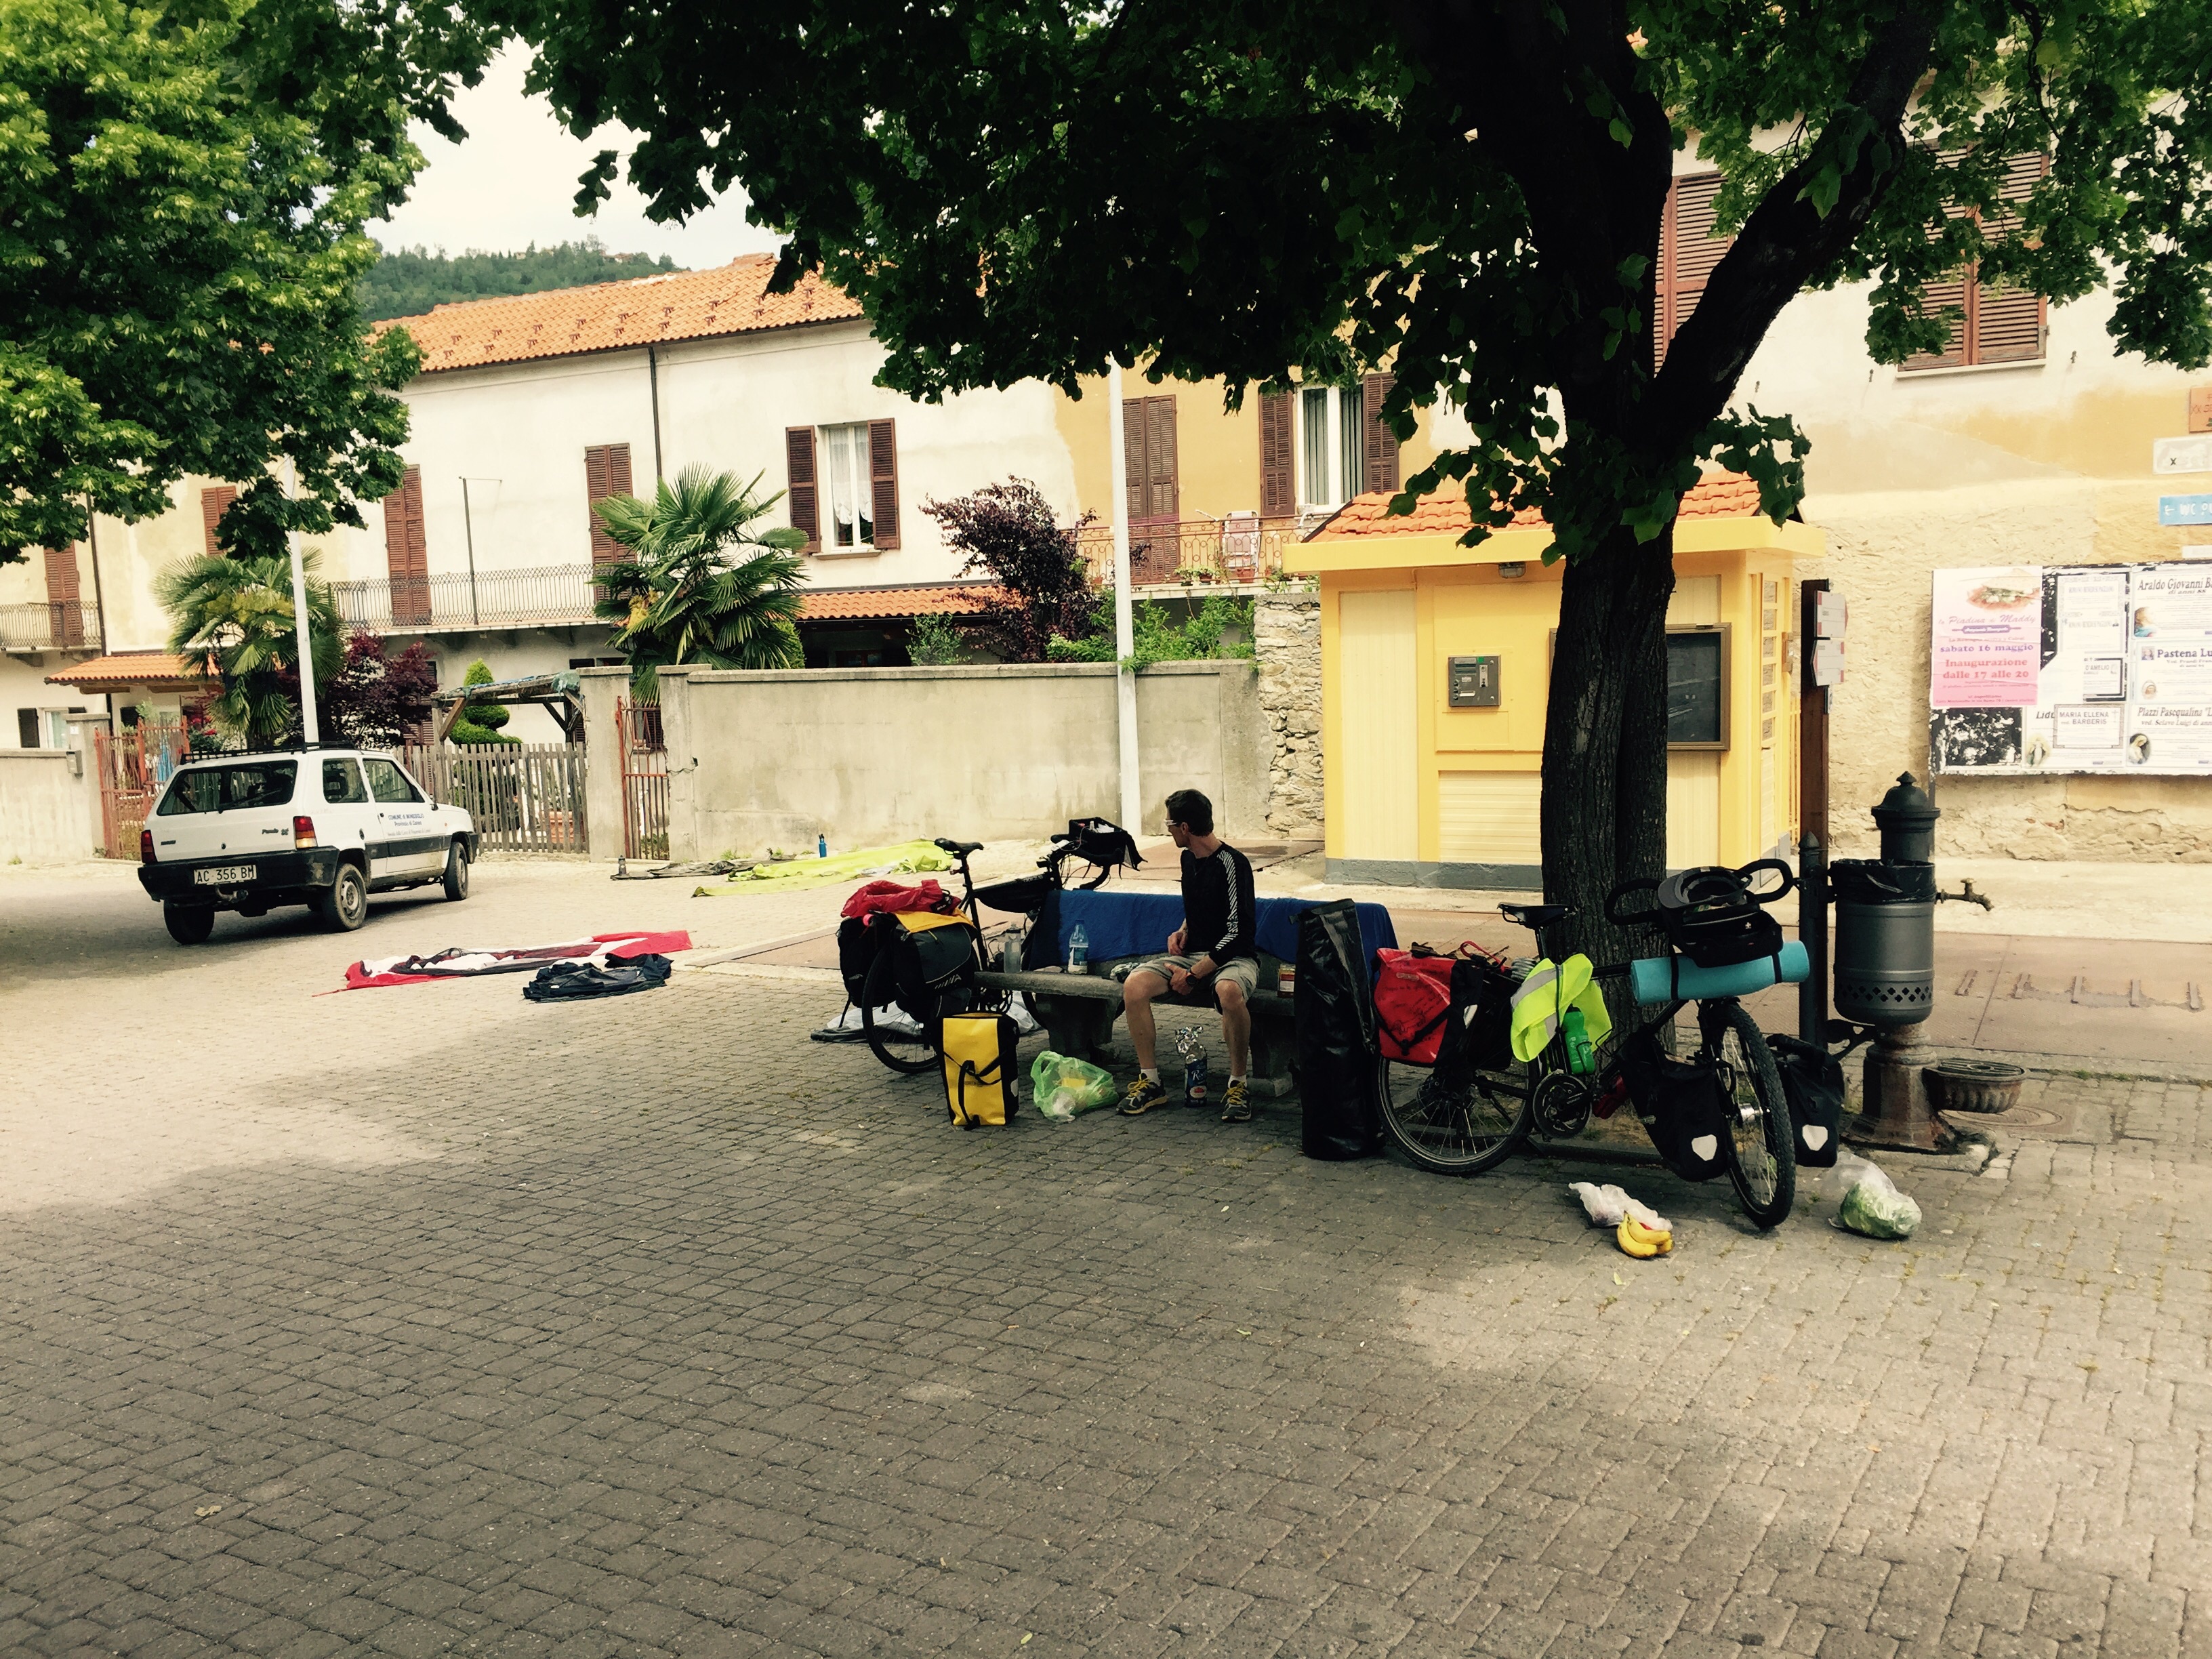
{"x": 898, "y": 1040}
{"x": 1445, "y": 1133}
{"x": 1762, "y": 1154}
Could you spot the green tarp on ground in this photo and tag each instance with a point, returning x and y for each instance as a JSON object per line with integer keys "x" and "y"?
{"x": 908, "y": 858}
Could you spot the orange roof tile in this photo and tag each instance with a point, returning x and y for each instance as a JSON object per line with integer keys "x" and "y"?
{"x": 1718, "y": 495}
{"x": 887, "y": 604}
{"x": 119, "y": 670}
{"x": 678, "y": 305}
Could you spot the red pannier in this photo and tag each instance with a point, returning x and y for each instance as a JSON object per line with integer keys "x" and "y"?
{"x": 892, "y": 897}
{"x": 1412, "y": 995}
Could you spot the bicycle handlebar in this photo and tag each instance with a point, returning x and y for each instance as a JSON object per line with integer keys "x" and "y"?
{"x": 1619, "y": 918}
{"x": 1613, "y": 911}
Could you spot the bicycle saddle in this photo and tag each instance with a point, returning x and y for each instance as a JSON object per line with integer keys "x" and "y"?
{"x": 1536, "y": 915}
{"x": 959, "y": 848}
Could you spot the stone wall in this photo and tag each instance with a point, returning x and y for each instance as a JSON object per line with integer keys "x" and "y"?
{"x": 1286, "y": 635}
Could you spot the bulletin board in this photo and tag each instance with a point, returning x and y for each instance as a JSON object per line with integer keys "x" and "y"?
{"x": 2072, "y": 668}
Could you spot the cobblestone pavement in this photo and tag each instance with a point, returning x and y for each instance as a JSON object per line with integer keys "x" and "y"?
{"x": 647, "y": 1326}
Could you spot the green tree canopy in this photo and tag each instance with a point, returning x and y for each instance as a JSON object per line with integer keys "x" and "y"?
{"x": 182, "y": 191}
{"x": 408, "y": 281}
{"x": 702, "y": 584}
{"x": 1469, "y": 194}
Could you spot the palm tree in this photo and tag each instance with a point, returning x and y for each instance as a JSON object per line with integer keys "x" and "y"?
{"x": 238, "y": 610}
{"x": 701, "y": 585}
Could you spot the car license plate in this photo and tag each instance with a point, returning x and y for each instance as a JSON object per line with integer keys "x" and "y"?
{"x": 224, "y": 875}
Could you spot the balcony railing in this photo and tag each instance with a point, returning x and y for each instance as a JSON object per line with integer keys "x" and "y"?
{"x": 1196, "y": 551}
{"x": 539, "y": 596}
{"x": 57, "y": 625}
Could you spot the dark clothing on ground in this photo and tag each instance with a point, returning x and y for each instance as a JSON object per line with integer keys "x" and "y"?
{"x": 1219, "y": 910}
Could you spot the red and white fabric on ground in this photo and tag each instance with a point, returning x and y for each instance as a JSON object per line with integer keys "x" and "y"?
{"x": 466, "y": 962}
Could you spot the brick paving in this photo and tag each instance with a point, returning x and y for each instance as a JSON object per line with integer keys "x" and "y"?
{"x": 647, "y": 1326}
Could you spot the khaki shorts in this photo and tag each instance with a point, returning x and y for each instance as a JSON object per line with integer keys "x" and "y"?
{"x": 1242, "y": 971}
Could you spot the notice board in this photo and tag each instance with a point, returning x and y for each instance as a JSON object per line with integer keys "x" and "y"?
{"x": 2071, "y": 668}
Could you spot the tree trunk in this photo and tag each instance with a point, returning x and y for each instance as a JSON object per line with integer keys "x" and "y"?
{"x": 1605, "y": 736}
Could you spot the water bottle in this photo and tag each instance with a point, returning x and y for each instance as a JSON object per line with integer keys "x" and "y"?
{"x": 1580, "y": 1058}
{"x": 1194, "y": 1067}
{"x": 1078, "y": 950}
{"x": 822, "y": 845}
{"x": 1010, "y": 951}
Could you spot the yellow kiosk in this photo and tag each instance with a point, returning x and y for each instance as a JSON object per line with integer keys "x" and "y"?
{"x": 1435, "y": 661}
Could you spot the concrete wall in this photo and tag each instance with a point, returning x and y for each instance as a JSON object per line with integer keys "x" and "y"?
{"x": 871, "y": 755}
{"x": 47, "y": 811}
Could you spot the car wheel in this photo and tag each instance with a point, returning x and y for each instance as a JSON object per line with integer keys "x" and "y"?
{"x": 345, "y": 906}
{"x": 456, "y": 872}
{"x": 189, "y": 924}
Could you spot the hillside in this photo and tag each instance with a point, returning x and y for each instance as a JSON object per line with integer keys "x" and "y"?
{"x": 408, "y": 282}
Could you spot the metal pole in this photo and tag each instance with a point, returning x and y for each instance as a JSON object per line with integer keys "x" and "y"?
{"x": 1125, "y": 632}
{"x": 469, "y": 530}
{"x": 1813, "y": 811}
{"x": 652, "y": 382}
{"x": 308, "y": 730}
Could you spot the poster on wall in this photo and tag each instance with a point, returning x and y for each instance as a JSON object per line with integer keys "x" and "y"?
{"x": 2071, "y": 668}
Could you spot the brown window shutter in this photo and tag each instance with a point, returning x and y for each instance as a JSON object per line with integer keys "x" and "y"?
{"x": 2008, "y": 323}
{"x": 800, "y": 484}
{"x": 1163, "y": 469}
{"x": 1688, "y": 251}
{"x": 1136, "y": 465}
{"x": 1278, "y": 486}
{"x": 64, "y": 598}
{"x": 618, "y": 479}
{"x": 882, "y": 476}
{"x": 213, "y": 500}
{"x": 1381, "y": 443}
{"x": 599, "y": 484}
{"x": 1935, "y": 298}
{"x": 406, "y": 551}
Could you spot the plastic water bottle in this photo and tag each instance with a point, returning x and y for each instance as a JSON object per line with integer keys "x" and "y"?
{"x": 1580, "y": 1060}
{"x": 822, "y": 845}
{"x": 1078, "y": 950}
{"x": 1010, "y": 952}
{"x": 1194, "y": 1065}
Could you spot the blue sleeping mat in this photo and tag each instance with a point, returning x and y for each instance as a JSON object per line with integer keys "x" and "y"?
{"x": 1670, "y": 979}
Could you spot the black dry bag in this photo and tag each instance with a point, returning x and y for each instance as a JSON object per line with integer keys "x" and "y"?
{"x": 1336, "y": 1036}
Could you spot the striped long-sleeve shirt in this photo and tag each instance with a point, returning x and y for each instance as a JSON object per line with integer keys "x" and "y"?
{"x": 1217, "y": 906}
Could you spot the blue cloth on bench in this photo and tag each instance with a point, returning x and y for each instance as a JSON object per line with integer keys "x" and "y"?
{"x": 1125, "y": 924}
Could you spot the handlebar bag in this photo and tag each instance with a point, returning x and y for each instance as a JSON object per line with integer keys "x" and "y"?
{"x": 1679, "y": 1103}
{"x": 1813, "y": 1083}
{"x": 1412, "y": 1002}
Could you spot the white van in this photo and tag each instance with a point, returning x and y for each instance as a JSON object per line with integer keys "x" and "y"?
{"x": 323, "y": 828}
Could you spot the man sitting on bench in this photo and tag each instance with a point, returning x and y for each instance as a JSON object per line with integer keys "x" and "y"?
{"x": 1218, "y": 912}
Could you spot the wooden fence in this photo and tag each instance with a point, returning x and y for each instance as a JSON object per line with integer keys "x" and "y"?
{"x": 524, "y": 797}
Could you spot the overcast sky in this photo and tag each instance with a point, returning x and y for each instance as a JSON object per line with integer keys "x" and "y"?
{"x": 512, "y": 183}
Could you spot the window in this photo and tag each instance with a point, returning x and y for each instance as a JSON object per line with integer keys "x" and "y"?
{"x": 227, "y": 788}
{"x": 1148, "y": 441}
{"x": 27, "y": 727}
{"x": 1332, "y": 449}
{"x": 1697, "y": 688}
{"x": 607, "y": 472}
{"x": 342, "y": 784}
{"x": 388, "y": 784}
{"x": 853, "y": 469}
{"x": 1688, "y": 250}
{"x": 1993, "y": 325}
{"x": 406, "y": 554}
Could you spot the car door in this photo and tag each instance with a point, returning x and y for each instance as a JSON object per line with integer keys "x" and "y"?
{"x": 347, "y": 817}
{"x": 402, "y": 828}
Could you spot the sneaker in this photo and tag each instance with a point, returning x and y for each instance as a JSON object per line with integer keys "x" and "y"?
{"x": 1235, "y": 1106}
{"x": 1144, "y": 1094}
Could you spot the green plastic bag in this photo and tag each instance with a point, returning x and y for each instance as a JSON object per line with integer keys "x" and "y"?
{"x": 1063, "y": 1087}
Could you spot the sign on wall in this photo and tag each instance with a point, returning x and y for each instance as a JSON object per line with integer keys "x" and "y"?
{"x": 2072, "y": 668}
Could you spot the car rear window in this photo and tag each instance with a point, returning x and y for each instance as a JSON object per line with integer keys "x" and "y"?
{"x": 227, "y": 788}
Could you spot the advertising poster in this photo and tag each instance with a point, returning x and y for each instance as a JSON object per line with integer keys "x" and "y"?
{"x": 2071, "y": 668}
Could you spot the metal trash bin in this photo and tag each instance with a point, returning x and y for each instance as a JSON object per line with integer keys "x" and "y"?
{"x": 1885, "y": 971}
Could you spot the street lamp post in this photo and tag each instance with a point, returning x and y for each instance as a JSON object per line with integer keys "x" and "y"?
{"x": 1125, "y": 638}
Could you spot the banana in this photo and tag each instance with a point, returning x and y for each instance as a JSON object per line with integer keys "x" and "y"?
{"x": 1634, "y": 1231}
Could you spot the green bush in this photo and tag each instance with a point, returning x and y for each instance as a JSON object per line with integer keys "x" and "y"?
{"x": 934, "y": 641}
{"x": 1157, "y": 637}
{"x": 480, "y": 722}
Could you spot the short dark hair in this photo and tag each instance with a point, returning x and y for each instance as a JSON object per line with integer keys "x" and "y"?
{"x": 1191, "y": 811}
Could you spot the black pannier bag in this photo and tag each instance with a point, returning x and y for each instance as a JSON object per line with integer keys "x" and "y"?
{"x": 1335, "y": 1016}
{"x": 1478, "y": 1034}
{"x": 857, "y": 944}
{"x": 1813, "y": 1082}
{"x": 935, "y": 969}
{"x": 1679, "y": 1103}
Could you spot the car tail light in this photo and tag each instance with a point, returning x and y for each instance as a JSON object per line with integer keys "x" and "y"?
{"x": 146, "y": 847}
{"x": 303, "y": 831}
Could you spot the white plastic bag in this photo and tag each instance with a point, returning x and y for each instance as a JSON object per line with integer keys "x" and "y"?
{"x": 1606, "y": 1206}
{"x": 1867, "y": 1200}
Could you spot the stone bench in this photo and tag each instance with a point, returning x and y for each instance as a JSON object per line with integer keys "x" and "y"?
{"x": 1078, "y": 1011}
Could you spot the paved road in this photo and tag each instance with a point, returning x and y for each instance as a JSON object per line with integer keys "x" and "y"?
{"x": 427, "y": 1321}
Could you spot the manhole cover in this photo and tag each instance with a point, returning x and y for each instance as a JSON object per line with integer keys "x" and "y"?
{"x": 2023, "y": 1120}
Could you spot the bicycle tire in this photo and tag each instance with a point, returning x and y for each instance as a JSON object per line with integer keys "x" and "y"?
{"x": 910, "y": 1055}
{"x": 1761, "y": 1144}
{"x": 1448, "y": 1138}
